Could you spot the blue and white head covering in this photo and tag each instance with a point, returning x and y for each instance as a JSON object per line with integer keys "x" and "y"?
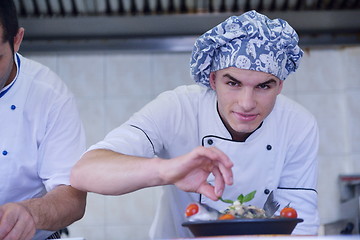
{"x": 250, "y": 41}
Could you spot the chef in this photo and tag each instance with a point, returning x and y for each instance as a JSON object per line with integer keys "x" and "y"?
{"x": 41, "y": 139}
{"x": 237, "y": 108}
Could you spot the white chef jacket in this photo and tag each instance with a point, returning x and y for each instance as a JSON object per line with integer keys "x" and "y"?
{"x": 279, "y": 156}
{"x": 41, "y": 134}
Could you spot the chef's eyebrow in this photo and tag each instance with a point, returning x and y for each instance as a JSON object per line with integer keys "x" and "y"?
{"x": 271, "y": 80}
{"x": 231, "y": 78}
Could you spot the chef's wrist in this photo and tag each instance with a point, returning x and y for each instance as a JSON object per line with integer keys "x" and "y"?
{"x": 163, "y": 169}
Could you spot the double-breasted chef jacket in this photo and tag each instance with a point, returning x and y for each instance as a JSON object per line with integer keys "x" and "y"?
{"x": 41, "y": 134}
{"x": 279, "y": 156}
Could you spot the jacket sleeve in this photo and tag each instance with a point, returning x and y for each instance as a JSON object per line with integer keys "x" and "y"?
{"x": 62, "y": 144}
{"x": 149, "y": 131}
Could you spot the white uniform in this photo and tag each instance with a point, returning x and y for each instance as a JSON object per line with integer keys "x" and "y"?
{"x": 41, "y": 134}
{"x": 280, "y": 155}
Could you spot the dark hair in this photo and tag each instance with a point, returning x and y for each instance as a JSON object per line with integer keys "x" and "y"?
{"x": 8, "y": 21}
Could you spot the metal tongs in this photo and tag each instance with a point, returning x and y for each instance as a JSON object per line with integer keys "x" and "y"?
{"x": 271, "y": 206}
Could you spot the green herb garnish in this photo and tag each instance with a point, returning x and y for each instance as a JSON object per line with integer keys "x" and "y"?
{"x": 241, "y": 198}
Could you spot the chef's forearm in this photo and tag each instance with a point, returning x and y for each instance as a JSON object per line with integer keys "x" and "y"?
{"x": 58, "y": 208}
{"x": 110, "y": 173}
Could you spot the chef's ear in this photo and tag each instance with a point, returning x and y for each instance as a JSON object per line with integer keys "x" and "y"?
{"x": 212, "y": 80}
{"x": 18, "y": 39}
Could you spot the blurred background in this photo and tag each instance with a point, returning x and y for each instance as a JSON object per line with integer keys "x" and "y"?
{"x": 116, "y": 55}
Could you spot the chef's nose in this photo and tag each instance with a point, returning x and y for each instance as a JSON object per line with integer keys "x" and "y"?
{"x": 247, "y": 99}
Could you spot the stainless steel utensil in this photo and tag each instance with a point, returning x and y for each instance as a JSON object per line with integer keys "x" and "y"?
{"x": 271, "y": 206}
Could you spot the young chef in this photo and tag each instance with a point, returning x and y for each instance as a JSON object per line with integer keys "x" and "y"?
{"x": 237, "y": 108}
{"x": 41, "y": 138}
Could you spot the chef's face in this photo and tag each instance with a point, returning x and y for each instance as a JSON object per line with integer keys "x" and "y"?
{"x": 7, "y": 64}
{"x": 245, "y": 98}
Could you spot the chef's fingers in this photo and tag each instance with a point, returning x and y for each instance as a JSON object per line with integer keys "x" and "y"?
{"x": 26, "y": 229}
{"x": 221, "y": 157}
{"x": 219, "y": 182}
{"x": 16, "y": 223}
{"x": 5, "y": 227}
{"x": 226, "y": 173}
{"x": 21, "y": 231}
{"x": 208, "y": 190}
{"x": 212, "y": 153}
{"x": 3, "y": 231}
{"x": 224, "y": 163}
{"x": 27, "y": 234}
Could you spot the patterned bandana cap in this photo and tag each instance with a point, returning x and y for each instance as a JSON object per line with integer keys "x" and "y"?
{"x": 250, "y": 41}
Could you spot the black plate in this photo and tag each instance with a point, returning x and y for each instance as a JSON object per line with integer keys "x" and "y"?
{"x": 243, "y": 226}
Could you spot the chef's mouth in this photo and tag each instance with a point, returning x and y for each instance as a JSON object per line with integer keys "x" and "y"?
{"x": 245, "y": 117}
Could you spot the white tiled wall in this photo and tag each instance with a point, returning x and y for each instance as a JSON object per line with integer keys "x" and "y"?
{"x": 111, "y": 86}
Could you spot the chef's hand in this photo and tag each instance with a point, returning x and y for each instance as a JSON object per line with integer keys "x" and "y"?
{"x": 16, "y": 222}
{"x": 189, "y": 172}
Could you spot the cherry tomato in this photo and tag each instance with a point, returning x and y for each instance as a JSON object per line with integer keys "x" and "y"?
{"x": 288, "y": 212}
{"x": 226, "y": 216}
{"x": 191, "y": 209}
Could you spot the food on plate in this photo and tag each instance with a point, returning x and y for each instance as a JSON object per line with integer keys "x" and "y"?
{"x": 241, "y": 198}
{"x": 198, "y": 211}
{"x": 240, "y": 210}
{"x": 226, "y": 216}
{"x": 288, "y": 212}
{"x": 192, "y": 209}
{"x": 236, "y": 209}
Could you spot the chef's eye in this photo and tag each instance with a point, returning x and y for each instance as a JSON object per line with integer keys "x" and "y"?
{"x": 232, "y": 83}
{"x": 264, "y": 86}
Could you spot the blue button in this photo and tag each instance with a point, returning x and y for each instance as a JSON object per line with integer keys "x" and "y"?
{"x": 4, "y": 152}
{"x": 13, "y": 107}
